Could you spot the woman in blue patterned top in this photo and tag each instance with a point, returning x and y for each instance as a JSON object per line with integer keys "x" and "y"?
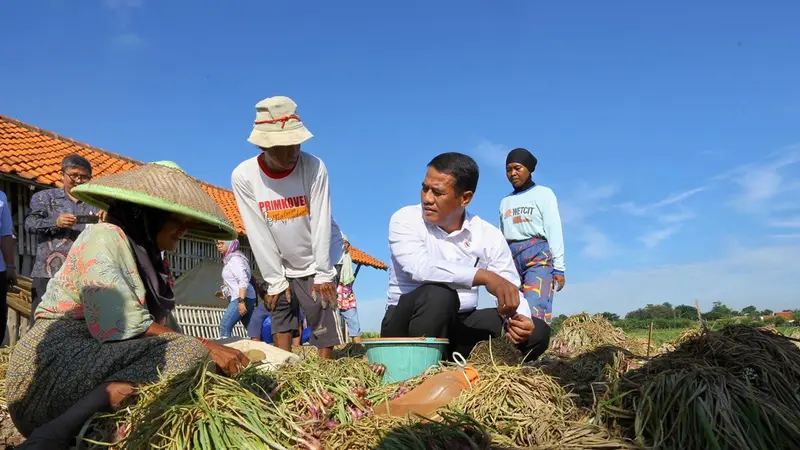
{"x": 531, "y": 224}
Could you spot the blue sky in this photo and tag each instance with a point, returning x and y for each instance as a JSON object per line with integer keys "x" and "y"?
{"x": 669, "y": 132}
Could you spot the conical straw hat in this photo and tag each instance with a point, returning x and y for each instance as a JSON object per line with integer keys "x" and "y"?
{"x": 162, "y": 185}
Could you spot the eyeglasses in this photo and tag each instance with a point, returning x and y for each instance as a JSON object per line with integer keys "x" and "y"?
{"x": 78, "y": 178}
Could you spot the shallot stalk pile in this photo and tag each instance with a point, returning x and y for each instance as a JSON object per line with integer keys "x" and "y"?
{"x": 324, "y": 394}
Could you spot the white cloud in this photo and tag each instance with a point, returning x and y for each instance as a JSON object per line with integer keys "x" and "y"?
{"x": 491, "y": 153}
{"x": 677, "y": 217}
{"x": 127, "y": 40}
{"x": 596, "y": 244}
{"x": 123, "y": 11}
{"x": 763, "y": 276}
{"x": 676, "y": 198}
{"x": 640, "y": 210}
{"x": 671, "y": 221}
{"x": 793, "y": 222}
{"x": 786, "y": 156}
{"x": 762, "y": 185}
{"x": 653, "y": 238}
{"x": 757, "y": 187}
{"x": 586, "y": 200}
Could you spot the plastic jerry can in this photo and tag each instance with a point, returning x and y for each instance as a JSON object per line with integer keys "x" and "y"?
{"x": 434, "y": 393}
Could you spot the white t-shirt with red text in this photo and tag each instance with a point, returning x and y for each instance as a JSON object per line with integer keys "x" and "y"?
{"x": 287, "y": 217}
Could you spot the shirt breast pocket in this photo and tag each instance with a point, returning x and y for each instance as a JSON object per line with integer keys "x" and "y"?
{"x": 480, "y": 261}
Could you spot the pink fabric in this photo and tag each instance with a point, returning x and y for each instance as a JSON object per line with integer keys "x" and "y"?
{"x": 345, "y": 296}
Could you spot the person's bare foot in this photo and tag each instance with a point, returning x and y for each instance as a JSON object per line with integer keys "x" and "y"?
{"x": 326, "y": 353}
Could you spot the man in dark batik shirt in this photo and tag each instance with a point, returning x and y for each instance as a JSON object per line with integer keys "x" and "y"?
{"x": 52, "y": 219}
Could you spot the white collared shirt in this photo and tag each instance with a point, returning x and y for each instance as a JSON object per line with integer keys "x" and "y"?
{"x": 422, "y": 252}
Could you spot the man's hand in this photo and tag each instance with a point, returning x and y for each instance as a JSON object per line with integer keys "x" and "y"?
{"x": 242, "y": 309}
{"x": 324, "y": 293}
{"x": 558, "y": 282}
{"x": 102, "y": 216}
{"x": 507, "y": 294}
{"x": 519, "y": 328}
{"x": 271, "y": 300}
{"x": 229, "y": 360}
{"x": 65, "y": 221}
{"x": 11, "y": 273}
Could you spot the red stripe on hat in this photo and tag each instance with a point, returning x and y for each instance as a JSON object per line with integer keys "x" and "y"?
{"x": 281, "y": 120}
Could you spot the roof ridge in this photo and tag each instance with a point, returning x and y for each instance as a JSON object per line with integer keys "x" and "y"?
{"x": 222, "y": 196}
{"x": 59, "y": 137}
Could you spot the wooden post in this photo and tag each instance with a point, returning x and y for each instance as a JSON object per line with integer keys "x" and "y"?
{"x": 649, "y": 339}
{"x": 355, "y": 274}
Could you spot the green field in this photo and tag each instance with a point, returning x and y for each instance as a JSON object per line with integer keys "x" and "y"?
{"x": 663, "y": 336}
{"x": 660, "y": 337}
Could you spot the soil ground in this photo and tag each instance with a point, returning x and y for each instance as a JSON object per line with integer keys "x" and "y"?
{"x": 8, "y": 433}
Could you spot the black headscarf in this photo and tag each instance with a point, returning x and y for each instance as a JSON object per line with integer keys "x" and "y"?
{"x": 524, "y": 157}
{"x": 141, "y": 225}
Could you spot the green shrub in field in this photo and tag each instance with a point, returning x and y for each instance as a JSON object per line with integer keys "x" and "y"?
{"x": 658, "y": 324}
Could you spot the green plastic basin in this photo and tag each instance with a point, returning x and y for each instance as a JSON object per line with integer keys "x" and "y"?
{"x": 404, "y": 358}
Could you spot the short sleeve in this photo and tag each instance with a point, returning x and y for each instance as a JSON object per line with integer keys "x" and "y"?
{"x": 111, "y": 290}
{"x": 6, "y": 226}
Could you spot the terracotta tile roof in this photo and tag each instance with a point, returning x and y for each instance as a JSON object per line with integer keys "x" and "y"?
{"x": 360, "y": 257}
{"x": 786, "y": 315}
{"x": 35, "y": 154}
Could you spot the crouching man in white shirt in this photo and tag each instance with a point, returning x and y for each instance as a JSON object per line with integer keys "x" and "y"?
{"x": 284, "y": 200}
{"x": 441, "y": 254}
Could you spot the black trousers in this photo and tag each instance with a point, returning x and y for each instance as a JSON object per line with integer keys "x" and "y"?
{"x": 431, "y": 310}
{"x": 3, "y": 304}
{"x": 38, "y": 288}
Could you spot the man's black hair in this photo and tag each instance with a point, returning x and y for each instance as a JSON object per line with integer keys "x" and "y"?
{"x": 75, "y": 162}
{"x": 463, "y": 168}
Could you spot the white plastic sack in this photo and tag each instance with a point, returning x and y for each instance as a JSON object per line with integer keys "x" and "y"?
{"x": 273, "y": 356}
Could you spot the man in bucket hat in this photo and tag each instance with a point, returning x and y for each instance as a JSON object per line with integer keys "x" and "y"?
{"x": 284, "y": 201}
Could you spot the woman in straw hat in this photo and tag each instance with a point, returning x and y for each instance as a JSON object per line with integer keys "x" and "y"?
{"x": 101, "y": 327}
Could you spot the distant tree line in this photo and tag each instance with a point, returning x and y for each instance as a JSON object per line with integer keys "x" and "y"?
{"x": 667, "y": 316}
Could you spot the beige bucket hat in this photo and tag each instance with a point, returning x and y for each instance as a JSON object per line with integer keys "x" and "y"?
{"x": 162, "y": 185}
{"x": 278, "y": 124}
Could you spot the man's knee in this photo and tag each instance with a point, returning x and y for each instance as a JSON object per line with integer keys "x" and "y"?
{"x": 438, "y": 298}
